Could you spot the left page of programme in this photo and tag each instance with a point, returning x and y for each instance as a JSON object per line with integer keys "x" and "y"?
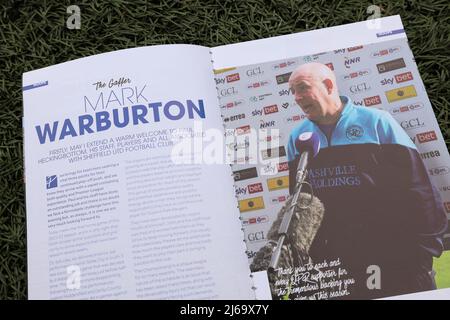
{"x": 110, "y": 214}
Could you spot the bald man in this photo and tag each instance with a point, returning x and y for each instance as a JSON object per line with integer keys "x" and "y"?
{"x": 380, "y": 207}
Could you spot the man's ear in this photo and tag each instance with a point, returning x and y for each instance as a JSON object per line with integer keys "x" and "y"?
{"x": 328, "y": 85}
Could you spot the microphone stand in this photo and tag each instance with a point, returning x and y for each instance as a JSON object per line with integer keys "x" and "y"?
{"x": 285, "y": 222}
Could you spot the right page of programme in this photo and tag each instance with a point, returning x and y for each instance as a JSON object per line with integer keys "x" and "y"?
{"x": 372, "y": 216}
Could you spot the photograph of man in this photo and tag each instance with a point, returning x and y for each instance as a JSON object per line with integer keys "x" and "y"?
{"x": 380, "y": 207}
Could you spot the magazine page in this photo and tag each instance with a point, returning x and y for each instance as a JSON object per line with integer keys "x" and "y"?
{"x": 113, "y": 212}
{"x": 343, "y": 174}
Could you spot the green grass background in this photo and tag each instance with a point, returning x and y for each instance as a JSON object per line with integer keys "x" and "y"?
{"x": 442, "y": 267}
{"x": 33, "y": 35}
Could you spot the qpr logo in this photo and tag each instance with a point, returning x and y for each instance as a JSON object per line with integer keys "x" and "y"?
{"x": 354, "y": 132}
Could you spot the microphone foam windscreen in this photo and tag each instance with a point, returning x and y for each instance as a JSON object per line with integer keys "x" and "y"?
{"x": 303, "y": 228}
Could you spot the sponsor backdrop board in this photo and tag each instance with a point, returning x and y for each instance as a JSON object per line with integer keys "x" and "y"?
{"x": 256, "y": 99}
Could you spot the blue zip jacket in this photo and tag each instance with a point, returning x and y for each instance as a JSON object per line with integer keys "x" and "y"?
{"x": 380, "y": 206}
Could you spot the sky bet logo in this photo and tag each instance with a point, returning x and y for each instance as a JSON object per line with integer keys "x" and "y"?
{"x": 243, "y": 130}
{"x": 399, "y": 78}
{"x": 371, "y": 101}
{"x": 354, "y": 48}
{"x": 251, "y": 188}
{"x": 426, "y": 136}
{"x": 403, "y": 77}
{"x": 270, "y": 109}
{"x": 267, "y": 110}
{"x": 254, "y": 188}
{"x": 283, "y": 167}
{"x": 230, "y": 78}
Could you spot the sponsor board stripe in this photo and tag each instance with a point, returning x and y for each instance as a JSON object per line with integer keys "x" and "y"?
{"x": 401, "y": 93}
{"x": 219, "y": 71}
{"x": 278, "y": 183}
{"x": 251, "y": 204}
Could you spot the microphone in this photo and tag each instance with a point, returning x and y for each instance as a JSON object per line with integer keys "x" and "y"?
{"x": 302, "y": 232}
{"x": 308, "y": 145}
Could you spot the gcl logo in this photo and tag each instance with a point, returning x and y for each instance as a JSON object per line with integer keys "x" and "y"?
{"x": 256, "y": 236}
{"x": 228, "y": 92}
{"x": 358, "y": 88}
{"x": 412, "y": 124}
